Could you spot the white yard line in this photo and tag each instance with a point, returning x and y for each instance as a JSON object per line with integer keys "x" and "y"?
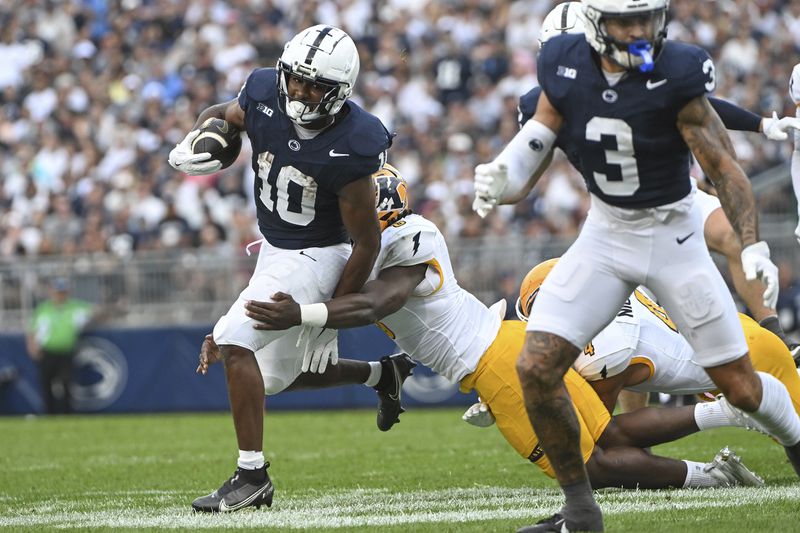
{"x": 371, "y": 508}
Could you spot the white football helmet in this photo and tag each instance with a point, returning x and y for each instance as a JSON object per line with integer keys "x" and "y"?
{"x": 638, "y": 54}
{"x": 326, "y": 56}
{"x": 566, "y": 17}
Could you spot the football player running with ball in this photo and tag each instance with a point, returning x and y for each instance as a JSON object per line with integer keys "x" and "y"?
{"x": 634, "y": 105}
{"x": 415, "y": 299}
{"x": 313, "y": 155}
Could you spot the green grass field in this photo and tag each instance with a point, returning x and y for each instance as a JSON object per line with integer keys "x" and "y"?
{"x": 333, "y": 470}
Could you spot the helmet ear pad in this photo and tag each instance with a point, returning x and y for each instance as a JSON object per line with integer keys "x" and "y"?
{"x": 323, "y": 55}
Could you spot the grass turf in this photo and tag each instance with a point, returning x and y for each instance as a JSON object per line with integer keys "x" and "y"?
{"x": 333, "y": 470}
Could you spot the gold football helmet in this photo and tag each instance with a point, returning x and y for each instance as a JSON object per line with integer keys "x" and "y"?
{"x": 391, "y": 195}
{"x": 530, "y": 287}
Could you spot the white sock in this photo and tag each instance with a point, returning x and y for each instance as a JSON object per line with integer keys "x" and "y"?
{"x": 709, "y": 415}
{"x": 697, "y": 477}
{"x": 374, "y": 374}
{"x": 776, "y": 413}
{"x": 251, "y": 460}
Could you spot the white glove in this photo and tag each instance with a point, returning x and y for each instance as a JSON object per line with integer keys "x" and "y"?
{"x": 319, "y": 346}
{"x": 757, "y": 265}
{"x": 482, "y": 206}
{"x": 182, "y": 158}
{"x": 775, "y": 129}
{"x": 478, "y": 415}
{"x": 490, "y": 181}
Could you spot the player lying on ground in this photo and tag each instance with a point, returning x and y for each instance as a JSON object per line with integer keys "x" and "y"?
{"x": 414, "y": 297}
{"x": 641, "y": 350}
{"x": 717, "y": 230}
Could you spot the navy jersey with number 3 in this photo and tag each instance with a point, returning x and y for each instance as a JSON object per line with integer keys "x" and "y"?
{"x": 298, "y": 181}
{"x": 624, "y": 137}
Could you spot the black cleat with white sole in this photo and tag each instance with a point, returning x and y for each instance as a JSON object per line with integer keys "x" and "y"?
{"x": 247, "y": 488}
{"x": 395, "y": 369}
{"x": 557, "y": 523}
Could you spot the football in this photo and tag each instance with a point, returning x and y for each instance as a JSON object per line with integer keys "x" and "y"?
{"x": 219, "y": 139}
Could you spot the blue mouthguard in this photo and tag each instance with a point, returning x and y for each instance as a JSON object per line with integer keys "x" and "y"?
{"x": 642, "y": 49}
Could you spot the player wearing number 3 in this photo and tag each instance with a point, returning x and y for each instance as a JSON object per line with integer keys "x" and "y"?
{"x": 313, "y": 155}
{"x": 634, "y": 105}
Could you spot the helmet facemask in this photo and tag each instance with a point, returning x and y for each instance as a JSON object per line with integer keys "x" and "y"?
{"x": 305, "y": 111}
{"x": 639, "y": 54}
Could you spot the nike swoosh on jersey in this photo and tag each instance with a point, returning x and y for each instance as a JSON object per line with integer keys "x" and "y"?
{"x": 650, "y": 84}
{"x": 336, "y": 154}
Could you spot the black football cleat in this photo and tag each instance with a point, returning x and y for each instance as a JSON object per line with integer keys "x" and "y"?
{"x": 394, "y": 371}
{"x": 555, "y": 523}
{"x": 247, "y": 488}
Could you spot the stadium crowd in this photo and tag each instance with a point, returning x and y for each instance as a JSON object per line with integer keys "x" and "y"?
{"x": 94, "y": 94}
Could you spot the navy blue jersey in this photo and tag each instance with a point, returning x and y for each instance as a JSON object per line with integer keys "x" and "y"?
{"x": 625, "y": 137}
{"x": 733, "y": 117}
{"x": 298, "y": 181}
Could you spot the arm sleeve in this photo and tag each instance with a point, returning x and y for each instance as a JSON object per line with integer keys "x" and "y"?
{"x": 410, "y": 248}
{"x": 734, "y": 117}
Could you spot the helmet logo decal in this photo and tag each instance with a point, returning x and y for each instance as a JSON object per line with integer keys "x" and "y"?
{"x": 312, "y": 50}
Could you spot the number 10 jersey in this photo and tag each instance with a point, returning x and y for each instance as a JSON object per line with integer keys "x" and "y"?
{"x": 298, "y": 180}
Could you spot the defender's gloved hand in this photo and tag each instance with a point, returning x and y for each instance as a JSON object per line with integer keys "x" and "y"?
{"x": 478, "y": 415}
{"x": 757, "y": 265}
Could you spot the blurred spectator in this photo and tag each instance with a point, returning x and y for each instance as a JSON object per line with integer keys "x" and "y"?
{"x": 94, "y": 94}
{"x": 52, "y": 340}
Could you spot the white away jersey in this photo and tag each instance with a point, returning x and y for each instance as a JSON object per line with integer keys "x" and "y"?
{"x": 794, "y": 85}
{"x": 642, "y": 332}
{"x": 443, "y": 326}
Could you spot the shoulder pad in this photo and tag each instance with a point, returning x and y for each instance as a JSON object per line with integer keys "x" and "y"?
{"x": 408, "y": 242}
{"x": 688, "y": 68}
{"x": 794, "y": 85}
{"x": 527, "y": 105}
{"x": 607, "y": 355}
{"x": 261, "y": 85}
{"x": 561, "y": 54}
{"x": 369, "y": 137}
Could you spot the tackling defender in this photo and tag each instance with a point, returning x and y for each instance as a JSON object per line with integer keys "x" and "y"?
{"x": 642, "y": 350}
{"x": 415, "y": 299}
{"x": 634, "y": 105}
{"x": 314, "y": 151}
